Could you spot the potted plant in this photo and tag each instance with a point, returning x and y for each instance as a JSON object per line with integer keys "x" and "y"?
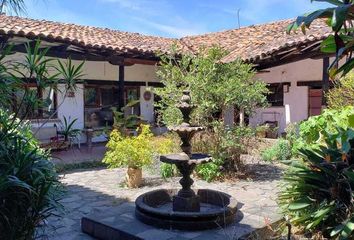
{"x": 132, "y": 152}
{"x": 62, "y": 140}
{"x": 125, "y": 124}
{"x": 261, "y": 130}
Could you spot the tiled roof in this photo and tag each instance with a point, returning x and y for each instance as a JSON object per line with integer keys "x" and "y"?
{"x": 249, "y": 43}
{"x": 84, "y": 36}
{"x": 254, "y": 42}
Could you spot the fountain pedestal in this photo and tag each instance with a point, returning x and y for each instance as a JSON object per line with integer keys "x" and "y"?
{"x": 186, "y": 200}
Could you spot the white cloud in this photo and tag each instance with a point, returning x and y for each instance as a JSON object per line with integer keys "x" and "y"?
{"x": 132, "y": 5}
{"x": 171, "y": 30}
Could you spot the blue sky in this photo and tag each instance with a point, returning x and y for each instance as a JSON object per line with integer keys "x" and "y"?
{"x": 168, "y": 18}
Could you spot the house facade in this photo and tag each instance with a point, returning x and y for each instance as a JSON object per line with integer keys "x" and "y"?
{"x": 121, "y": 67}
{"x": 296, "y": 93}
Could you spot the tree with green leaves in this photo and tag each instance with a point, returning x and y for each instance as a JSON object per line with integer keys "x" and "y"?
{"x": 213, "y": 85}
{"x": 340, "y": 18}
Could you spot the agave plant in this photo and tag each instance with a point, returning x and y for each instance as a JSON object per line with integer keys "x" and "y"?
{"x": 317, "y": 191}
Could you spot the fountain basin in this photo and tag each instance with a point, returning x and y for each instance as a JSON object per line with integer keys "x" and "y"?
{"x": 217, "y": 209}
{"x": 182, "y": 158}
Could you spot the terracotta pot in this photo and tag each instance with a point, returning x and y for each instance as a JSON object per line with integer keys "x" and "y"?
{"x": 134, "y": 177}
{"x": 261, "y": 134}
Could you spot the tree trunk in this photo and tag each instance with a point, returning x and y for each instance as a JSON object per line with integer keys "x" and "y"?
{"x": 242, "y": 117}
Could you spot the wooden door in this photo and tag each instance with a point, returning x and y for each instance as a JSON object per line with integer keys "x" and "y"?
{"x": 315, "y": 102}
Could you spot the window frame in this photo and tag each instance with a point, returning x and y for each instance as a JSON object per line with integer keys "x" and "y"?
{"x": 276, "y": 86}
{"x": 98, "y": 87}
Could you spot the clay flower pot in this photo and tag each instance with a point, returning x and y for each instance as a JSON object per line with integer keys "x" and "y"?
{"x": 134, "y": 177}
{"x": 261, "y": 133}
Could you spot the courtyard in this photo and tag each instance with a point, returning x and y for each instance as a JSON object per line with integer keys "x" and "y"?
{"x": 147, "y": 120}
{"x": 101, "y": 192}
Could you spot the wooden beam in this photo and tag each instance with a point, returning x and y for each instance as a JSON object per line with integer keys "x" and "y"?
{"x": 325, "y": 80}
{"x": 285, "y": 56}
{"x": 314, "y": 83}
{"x": 126, "y": 83}
{"x": 121, "y": 86}
{"x": 140, "y": 61}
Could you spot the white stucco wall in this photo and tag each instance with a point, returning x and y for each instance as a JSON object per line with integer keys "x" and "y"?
{"x": 71, "y": 107}
{"x": 140, "y": 73}
{"x": 296, "y": 98}
{"x": 146, "y": 107}
{"x": 93, "y": 70}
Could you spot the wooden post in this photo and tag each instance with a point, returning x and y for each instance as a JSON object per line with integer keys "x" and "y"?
{"x": 325, "y": 80}
{"x": 121, "y": 87}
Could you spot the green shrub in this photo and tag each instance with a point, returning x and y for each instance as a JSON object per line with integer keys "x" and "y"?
{"x": 130, "y": 151}
{"x": 29, "y": 187}
{"x": 343, "y": 92}
{"x": 317, "y": 189}
{"x": 168, "y": 170}
{"x": 225, "y": 146}
{"x": 317, "y": 129}
{"x": 281, "y": 150}
{"x": 210, "y": 171}
{"x": 312, "y": 129}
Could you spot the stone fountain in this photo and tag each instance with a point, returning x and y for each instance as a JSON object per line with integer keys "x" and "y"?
{"x": 186, "y": 209}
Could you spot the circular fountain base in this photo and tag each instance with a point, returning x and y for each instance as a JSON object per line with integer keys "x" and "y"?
{"x": 217, "y": 209}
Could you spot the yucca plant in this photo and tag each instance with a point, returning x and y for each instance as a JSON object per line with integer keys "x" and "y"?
{"x": 68, "y": 129}
{"x": 317, "y": 190}
{"x": 29, "y": 187}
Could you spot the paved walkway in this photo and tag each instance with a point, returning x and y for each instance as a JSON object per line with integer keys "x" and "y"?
{"x": 98, "y": 190}
{"x": 77, "y": 155}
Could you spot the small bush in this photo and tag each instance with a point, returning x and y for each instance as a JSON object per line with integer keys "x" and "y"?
{"x": 210, "y": 171}
{"x": 168, "y": 170}
{"x": 130, "y": 151}
{"x": 225, "y": 146}
{"x": 279, "y": 151}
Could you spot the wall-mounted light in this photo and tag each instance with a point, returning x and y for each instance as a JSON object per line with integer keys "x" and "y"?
{"x": 285, "y": 88}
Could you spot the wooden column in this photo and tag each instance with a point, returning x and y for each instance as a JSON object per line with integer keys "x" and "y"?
{"x": 325, "y": 80}
{"x": 121, "y": 87}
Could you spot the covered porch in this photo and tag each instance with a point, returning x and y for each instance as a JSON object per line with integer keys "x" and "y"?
{"x": 111, "y": 79}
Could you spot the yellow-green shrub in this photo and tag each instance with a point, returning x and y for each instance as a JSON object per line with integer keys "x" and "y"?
{"x": 130, "y": 151}
{"x": 137, "y": 151}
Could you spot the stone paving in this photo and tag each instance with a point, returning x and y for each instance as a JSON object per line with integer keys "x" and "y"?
{"x": 99, "y": 191}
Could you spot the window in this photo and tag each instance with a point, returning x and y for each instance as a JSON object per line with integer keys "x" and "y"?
{"x": 91, "y": 96}
{"x": 27, "y": 104}
{"x": 276, "y": 94}
{"x": 131, "y": 94}
{"x": 99, "y": 99}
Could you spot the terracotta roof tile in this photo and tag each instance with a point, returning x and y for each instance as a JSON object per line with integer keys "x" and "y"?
{"x": 84, "y": 35}
{"x": 249, "y": 43}
{"x": 254, "y": 42}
